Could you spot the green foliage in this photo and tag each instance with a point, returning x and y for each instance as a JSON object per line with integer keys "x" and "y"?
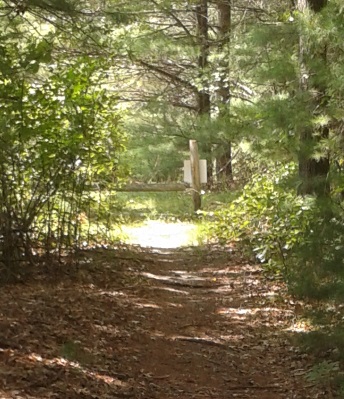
{"x": 318, "y": 258}
{"x": 153, "y": 159}
{"x": 158, "y": 142}
{"x": 136, "y": 209}
{"x": 324, "y": 341}
{"x": 329, "y": 345}
{"x": 298, "y": 237}
{"x": 168, "y": 206}
{"x": 266, "y": 218}
{"x": 325, "y": 373}
{"x": 59, "y": 135}
{"x": 74, "y": 352}
{"x": 171, "y": 206}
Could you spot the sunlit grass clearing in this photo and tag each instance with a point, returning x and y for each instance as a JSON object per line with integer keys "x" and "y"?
{"x": 160, "y": 234}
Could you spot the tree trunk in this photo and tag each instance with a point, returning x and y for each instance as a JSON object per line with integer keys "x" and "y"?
{"x": 224, "y": 30}
{"x": 224, "y": 163}
{"x": 203, "y": 96}
{"x": 313, "y": 172}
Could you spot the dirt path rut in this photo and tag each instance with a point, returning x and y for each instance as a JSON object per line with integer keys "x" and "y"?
{"x": 152, "y": 324}
{"x": 209, "y": 327}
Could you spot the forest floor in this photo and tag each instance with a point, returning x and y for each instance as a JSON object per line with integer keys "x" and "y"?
{"x": 143, "y": 323}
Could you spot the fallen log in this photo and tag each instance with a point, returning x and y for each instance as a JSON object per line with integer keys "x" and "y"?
{"x": 153, "y": 187}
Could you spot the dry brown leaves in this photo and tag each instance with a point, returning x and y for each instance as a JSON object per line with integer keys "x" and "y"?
{"x": 179, "y": 324}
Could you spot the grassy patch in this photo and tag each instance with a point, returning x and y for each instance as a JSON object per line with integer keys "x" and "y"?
{"x": 152, "y": 206}
{"x": 75, "y": 352}
{"x": 115, "y": 216}
{"x": 171, "y": 206}
{"x": 136, "y": 210}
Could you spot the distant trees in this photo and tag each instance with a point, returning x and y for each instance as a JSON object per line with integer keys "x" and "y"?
{"x": 292, "y": 64}
{"x": 255, "y": 85}
{"x": 186, "y": 68}
{"x": 200, "y": 69}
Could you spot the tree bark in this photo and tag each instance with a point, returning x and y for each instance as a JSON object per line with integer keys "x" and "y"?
{"x": 314, "y": 5}
{"x": 313, "y": 173}
{"x": 224, "y": 30}
{"x": 224, "y": 9}
{"x": 203, "y": 96}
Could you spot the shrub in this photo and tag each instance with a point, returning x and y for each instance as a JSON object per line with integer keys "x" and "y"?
{"x": 267, "y": 218}
{"x": 300, "y": 238}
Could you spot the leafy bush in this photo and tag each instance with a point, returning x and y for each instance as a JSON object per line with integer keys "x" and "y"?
{"x": 59, "y": 136}
{"x": 266, "y": 218}
{"x": 325, "y": 373}
{"x": 301, "y": 238}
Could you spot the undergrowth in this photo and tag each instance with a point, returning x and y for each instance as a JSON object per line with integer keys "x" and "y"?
{"x": 300, "y": 239}
{"x": 168, "y": 206}
{"x": 113, "y": 214}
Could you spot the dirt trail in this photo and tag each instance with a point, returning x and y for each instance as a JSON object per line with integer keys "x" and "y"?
{"x": 164, "y": 324}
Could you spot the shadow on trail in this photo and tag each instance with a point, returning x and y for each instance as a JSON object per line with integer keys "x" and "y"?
{"x": 151, "y": 323}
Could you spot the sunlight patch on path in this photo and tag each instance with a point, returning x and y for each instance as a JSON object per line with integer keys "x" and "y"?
{"x": 159, "y": 234}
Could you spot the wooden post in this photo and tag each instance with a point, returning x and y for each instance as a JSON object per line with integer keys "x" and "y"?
{"x": 195, "y": 175}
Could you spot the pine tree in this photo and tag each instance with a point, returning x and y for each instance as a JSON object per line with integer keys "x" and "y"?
{"x": 313, "y": 172}
{"x": 224, "y": 11}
